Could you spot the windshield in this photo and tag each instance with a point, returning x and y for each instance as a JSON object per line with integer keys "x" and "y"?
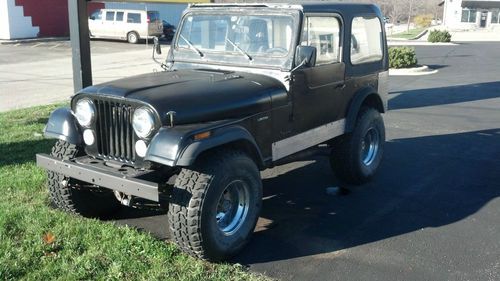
{"x": 263, "y": 38}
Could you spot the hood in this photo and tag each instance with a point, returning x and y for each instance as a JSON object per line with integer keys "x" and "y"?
{"x": 197, "y": 95}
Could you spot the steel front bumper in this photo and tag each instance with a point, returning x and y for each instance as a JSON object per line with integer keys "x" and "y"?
{"x": 96, "y": 172}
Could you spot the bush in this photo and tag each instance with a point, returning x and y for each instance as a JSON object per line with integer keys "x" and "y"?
{"x": 402, "y": 57}
{"x": 423, "y": 20}
{"x": 439, "y": 36}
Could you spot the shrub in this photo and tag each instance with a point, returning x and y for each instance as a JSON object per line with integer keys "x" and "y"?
{"x": 402, "y": 57}
{"x": 423, "y": 20}
{"x": 439, "y": 36}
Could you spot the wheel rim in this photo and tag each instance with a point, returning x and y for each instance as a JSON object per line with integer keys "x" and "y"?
{"x": 232, "y": 207}
{"x": 370, "y": 146}
{"x": 132, "y": 37}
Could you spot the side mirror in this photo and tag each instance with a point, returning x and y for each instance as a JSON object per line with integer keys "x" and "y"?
{"x": 157, "y": 45}
{"x": 305, "y": 56}
{"x": 92, "y": 18}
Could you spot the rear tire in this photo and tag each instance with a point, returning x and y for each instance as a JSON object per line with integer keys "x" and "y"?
{"x": 355, "y": 157}
{"x": 74, "y": 196}
{"x": 215, "y": 205}
{"x": 133, "y": 37}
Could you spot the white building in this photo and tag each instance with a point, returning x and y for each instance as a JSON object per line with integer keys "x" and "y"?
{"x": 471, "y": 14}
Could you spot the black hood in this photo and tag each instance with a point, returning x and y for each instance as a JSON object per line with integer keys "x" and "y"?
{"x": 197, "y": 95}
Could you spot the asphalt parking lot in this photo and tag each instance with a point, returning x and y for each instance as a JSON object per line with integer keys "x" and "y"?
{"x": 432, "y": 212}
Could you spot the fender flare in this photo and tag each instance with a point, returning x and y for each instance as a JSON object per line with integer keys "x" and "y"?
{"x": 359, "y": 98}
{"x": 173, "y": 148}
{"x": 62, "y": 125}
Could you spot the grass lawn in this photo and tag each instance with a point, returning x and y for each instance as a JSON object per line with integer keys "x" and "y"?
{"x": 408, "y": 35}
{"x": 40, "y": 243}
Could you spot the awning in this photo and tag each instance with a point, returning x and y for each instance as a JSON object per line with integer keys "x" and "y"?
{"x": 481, "y": 4}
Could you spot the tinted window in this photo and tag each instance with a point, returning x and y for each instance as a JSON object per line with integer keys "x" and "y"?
{"x": 134, "y": 18}
{"x": 97, "y": 15}
{"x": 110, "y": 16}
{"x": 153, "y": 16}
{"x": 324, "y": 34}
{"x": 366, "y": 40}
{"x": 119, "y": 16}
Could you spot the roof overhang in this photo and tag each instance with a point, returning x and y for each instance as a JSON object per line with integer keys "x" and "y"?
{"x": 481, "y": 4}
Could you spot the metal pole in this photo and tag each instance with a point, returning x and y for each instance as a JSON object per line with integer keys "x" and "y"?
{"x": 80, "y": 44}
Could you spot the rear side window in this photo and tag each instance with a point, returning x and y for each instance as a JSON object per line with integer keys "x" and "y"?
{"x": 153, "y": 16}
{"x": 119, "y": 16}
{"x": 134, "y": 18}
{"x": 324, "y": 34}
{"x": 366, "y": 40}
{"x": 110, "y": 16}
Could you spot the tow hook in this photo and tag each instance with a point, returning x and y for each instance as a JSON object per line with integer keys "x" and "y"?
{"x": 125, "y": 199}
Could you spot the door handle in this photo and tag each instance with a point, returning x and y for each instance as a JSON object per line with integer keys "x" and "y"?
{"x": 340, "y": 86}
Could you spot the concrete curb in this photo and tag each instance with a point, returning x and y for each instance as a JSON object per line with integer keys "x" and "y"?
{"x": 417, "y": 43}
{"x": 415, "y": 71}
{"x": 33, "y": 40}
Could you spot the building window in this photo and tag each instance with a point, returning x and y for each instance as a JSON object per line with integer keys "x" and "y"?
{"x": 495, "y": 16}
{"x": 469, "y": 15}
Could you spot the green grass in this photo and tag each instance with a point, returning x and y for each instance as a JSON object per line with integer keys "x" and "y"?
{"x": 81, "y": 248}
{"x": 412, "y": 33}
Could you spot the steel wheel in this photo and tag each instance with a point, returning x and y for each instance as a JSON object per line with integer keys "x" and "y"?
{"x": 232, "y": 208}
{"x": 370, "y": 146}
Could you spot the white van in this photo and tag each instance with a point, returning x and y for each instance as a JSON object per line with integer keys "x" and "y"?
{"x": 131, "y": 25}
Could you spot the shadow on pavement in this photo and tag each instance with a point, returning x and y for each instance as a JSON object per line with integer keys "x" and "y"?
{"x": 445, "y": 95}
{"x": 423, "y": 182}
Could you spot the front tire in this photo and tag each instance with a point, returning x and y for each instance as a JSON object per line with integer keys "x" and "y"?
{"x": 356, "y": 156}
{"x": 215, "y": 205}
{"x": 74, "y": 196}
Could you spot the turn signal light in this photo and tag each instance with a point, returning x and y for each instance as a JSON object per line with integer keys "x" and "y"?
{"x": 203, "y": 135}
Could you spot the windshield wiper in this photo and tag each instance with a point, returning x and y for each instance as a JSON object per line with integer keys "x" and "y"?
{"x": 191, "y": 46}
{"x": 239, "y": 49}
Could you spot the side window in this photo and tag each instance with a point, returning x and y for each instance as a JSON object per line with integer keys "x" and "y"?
{"x": 119, "y": 16}
{"x": 110, "y": 16}
{"x": 134, "y": 18}
{"x": 366, "y": 40}
{"x": 324, "y": 34}
{"x": 97, "y": 15}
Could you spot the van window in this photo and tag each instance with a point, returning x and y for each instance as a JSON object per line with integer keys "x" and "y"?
{"x": 153, "y": 16}
{"x": 324, "y": 34}
{"x": 119, "y": 16}
{"x": 97, "y": 15}
{"x": 134, "y": 18}
{"x": 110, "y": 16}
{"x": 366, "y": 40}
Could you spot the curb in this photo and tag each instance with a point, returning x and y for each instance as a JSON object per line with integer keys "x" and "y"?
{"x": 33, "y": 40}
{"x": 417, "y": 43}
{"x": 415, "y": 71}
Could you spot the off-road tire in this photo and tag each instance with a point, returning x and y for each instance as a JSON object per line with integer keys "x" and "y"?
{"x": 194, "y": 200}
{"x": 75, "y": 196}
{"x": 133, "y": 37}
{"x": 346, "y": 157}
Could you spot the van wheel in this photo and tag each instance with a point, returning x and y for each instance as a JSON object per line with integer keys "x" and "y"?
{"x": 215, "y": 205}
{"x": 133, "y": 37}
{"x": 355, "y": 157}
{"x": 75, "y": 196}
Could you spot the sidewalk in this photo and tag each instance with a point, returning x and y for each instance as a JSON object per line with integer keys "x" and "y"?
{"x": 43, "y": 82}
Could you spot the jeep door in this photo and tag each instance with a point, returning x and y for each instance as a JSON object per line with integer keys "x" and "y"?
{"x": 317, "y": 89}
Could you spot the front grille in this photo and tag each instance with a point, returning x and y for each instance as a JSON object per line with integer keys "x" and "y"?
{"x": 114, "y": 132}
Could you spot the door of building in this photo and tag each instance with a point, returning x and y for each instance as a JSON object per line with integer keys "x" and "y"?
{"x": 484, "y": 17}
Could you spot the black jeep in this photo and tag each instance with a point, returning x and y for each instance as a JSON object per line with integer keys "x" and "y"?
{"x": 245, "y": 88}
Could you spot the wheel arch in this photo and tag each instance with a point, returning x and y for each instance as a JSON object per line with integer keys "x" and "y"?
{"x": 365, "y": 97}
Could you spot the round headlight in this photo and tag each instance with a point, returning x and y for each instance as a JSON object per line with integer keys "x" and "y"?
{"x": 143, "y": 122}
{"x": 84, "y": 112}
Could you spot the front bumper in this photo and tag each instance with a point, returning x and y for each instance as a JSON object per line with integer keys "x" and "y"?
{"x": 126, "y": 180}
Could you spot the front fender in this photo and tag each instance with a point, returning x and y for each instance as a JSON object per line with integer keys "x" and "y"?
{"x": 173, "y": 148}
{"x": 62, "y": 125}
